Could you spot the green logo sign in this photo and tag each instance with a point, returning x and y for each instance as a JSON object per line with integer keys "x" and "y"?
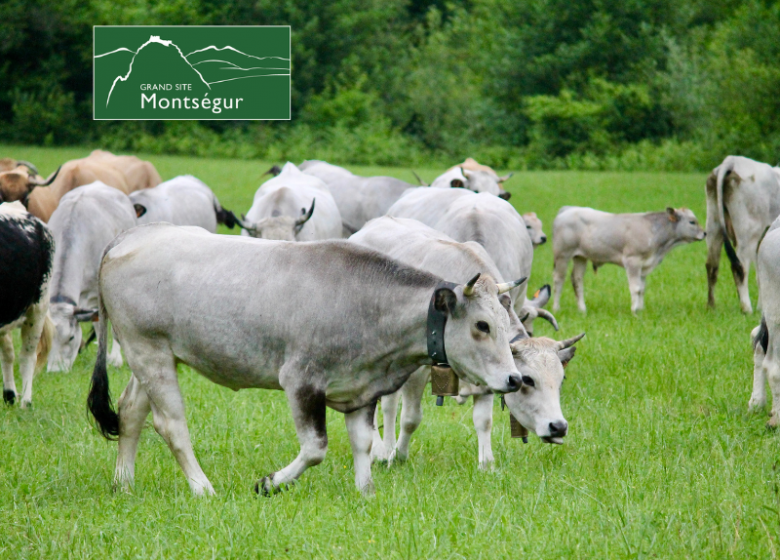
{"x": 191, "y": 72}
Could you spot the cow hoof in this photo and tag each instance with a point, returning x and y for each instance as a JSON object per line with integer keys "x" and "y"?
{"x": 265, "y": 486}
{"x": 756, "y": 405}
{"x": 26, "y": 404}
{"x": 9, "y": 396}
{"x": 368, "y": 490}
{"x": 773, "y": 423}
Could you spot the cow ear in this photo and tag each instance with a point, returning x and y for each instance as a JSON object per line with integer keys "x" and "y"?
{"x": 566, "y": 355}
{"x": 445, "y": 300}
{"x": 140, "y": 210}
{"x": 672, "y": 213}
{"x": 457, "y": 184}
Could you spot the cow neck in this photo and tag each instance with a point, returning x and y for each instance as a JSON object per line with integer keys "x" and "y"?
{"x": 434, "y": 332}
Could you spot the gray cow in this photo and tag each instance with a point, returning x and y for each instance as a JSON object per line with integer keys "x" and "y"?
{"x": 293, "y": 206}
{"x": 636, "y": 242}
{"x": 474, "y": 180}
{"x": 183, "y": 201}
{"x": 491, "y": 222}
{"x": 330, "y": 323}
{"x": 86, "y": 220}
{"x": 359, "y": 198}
{"x": 537, "y": 406}
{"x": 743, "y": 197}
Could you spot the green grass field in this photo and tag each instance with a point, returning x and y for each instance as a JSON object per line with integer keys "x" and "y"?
{"x": 662, "y": 459}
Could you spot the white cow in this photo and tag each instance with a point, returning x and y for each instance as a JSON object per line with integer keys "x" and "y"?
{"x": 476, "y": 181}
{"x": 636, "y": 242}
{"x": 284, "y": 209}
{"x": 491, "y": 222}
{"x": 767, "y": 339}
{"x": 743, "y": 198}
{"x": 85, "y": 221}
{"x": 26, "y": 251}
{"x": 359, "y": 198}
{"x": 183, "y": 201}
{"x": 536, "y": 405}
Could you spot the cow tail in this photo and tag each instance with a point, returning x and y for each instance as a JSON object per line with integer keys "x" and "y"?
{"x": 736, "y": 266}
{"x": 44, "y": 343}
{"x": 762, "y": 336}
{"x": 99, "y": 399}
{"x": 225, "y": 217}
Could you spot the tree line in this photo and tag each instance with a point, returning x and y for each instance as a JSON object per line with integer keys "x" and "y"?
{"x": 548, "y": 84}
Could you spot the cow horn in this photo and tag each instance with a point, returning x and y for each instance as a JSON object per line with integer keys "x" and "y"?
{"x": 47, "y": 182}
{"x": 544, "y": 314}
{"x": 505, "y": 177}
{"x": 569, "y": 342}
{"x": 506, "y": 286}
{"x": 28, "y": 165}
{"x": 246, "y": 225}
{"x": 275, "y": 171}
{"x": 422, "y": 183}
{"x": 465, "y": 172}
{"x": 305, "y": 218}
{"x": 468, "y": 289}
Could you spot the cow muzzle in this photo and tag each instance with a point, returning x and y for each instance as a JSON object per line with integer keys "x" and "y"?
{"x": 513, "y": 383}
{"x": 558, "y": 431}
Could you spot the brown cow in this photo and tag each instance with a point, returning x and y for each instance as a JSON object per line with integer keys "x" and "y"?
{"x": 126, "y": 173}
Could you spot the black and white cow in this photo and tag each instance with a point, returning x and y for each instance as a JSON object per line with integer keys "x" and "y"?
{"x": 26, "y": 253}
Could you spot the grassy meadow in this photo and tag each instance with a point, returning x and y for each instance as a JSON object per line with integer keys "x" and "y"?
{"x": 662, "y": 459}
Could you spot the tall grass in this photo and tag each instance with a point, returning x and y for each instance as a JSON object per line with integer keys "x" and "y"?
{"x": 662, "y": 459}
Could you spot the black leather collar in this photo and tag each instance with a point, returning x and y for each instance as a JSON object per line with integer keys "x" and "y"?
{"x": 434, "y": 331}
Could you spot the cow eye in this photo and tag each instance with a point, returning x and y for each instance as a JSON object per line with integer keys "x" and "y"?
{"x": 483, "y": 326}
{"x": 692, "y": 222}
{"x": 528, "y": 381}
{"x": 527, "y": 227}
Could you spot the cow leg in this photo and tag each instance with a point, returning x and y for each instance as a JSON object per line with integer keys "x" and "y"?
{"x": 745, "y": 255}
{"x": 483, "y": 423}
{"x": 635, "y": 285}
{"x": 359, "y": 426}
{"x": 307, "y": 405}
{"x": 115, "y": 355}
{"x": 559, "y": 277}
{"x": 411, "y": 411}
{"x": 31, "y": 336}
{"x": 384, "y": 444}
{"x": 7, "y": 364}
{"x": 154, "y": 368}
{"x": 577, "y": 280}
{"x": 714, "y": 247}
{"x": 758, "y": 398}
{"x": 134, "y": 407}
{"x": 772, "y": 372}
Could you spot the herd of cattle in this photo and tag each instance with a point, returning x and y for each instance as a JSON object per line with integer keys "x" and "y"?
{"x": 360, "y": 287}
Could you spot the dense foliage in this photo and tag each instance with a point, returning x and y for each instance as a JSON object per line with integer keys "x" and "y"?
{"x": 622, "y": 84}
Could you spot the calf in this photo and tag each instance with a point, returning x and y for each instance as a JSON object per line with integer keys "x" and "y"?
{"x": 637, "y": 242}
{"x": 85, "y": 221}
{"x": 182, "y": 201}
{"x": 330, "y": 323}
{"x": 533, "y": 226}
{"x": 743, "y": 197}
{"x": 284, "y": 209}
{"x": 26, "y": 250}
{"x": 536, "y": 405}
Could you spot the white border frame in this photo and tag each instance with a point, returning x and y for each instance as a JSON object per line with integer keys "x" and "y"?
{"x": 289, "y": 93}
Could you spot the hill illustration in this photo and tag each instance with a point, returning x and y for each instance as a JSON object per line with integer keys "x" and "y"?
{"x": 226, "y": 64}
{"x": 107, "y": 67}
{"x": 156, "y": 62}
